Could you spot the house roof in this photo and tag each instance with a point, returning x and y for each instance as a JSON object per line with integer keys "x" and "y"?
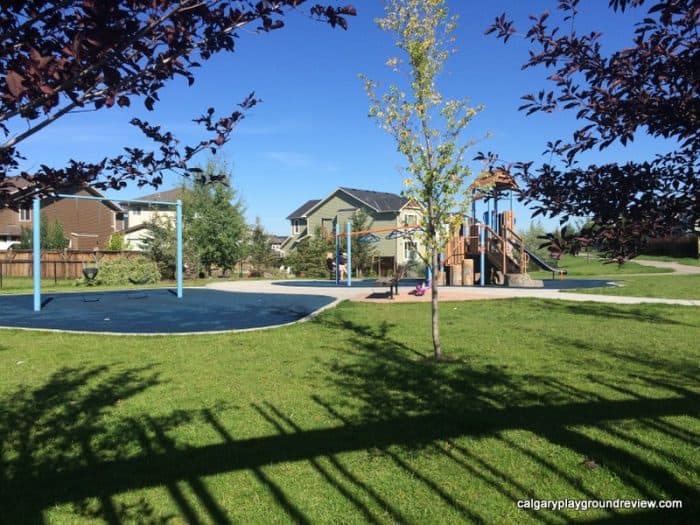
{"x": 163, "y": 196}
{"x": 132, "y": 229}
{"x": 277, "y": 239}
{"x": 301, "y": 210}
{"x": 24, "y": 190}
{"x": 379, "y": 201}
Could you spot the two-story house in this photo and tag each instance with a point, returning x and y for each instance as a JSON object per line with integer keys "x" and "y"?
{"x": 385, "y": 211}
{"x": 87, "y": 224}
{"x": 139, "y": 215}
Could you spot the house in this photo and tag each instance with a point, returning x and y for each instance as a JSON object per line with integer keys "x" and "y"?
{"x": 138, "y": 215}
{"x": 385, "y": 211}
{"x": 88, "y": 224}
{"x": 276, "y": 242}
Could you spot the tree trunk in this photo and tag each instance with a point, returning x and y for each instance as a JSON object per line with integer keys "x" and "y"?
{"x": 437, "y": 349}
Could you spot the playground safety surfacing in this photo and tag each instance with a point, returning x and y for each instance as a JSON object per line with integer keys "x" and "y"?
{"x": 157, "y": 311}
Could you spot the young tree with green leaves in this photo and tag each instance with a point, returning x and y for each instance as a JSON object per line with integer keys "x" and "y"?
{"x": 427, "y": 128}
{"x": 52, "y": 236}
{"x": 117, "y": 243}
{"x": 363, "y": 253}
{"x": 160, "y": 245}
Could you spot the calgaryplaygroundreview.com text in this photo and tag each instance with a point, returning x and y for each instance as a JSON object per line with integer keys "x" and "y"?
{"x": 587, "y": 504}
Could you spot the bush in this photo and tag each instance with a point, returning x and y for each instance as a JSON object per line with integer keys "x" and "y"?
{"x": 120, "y": 271}
{"x": 116, "y": 243}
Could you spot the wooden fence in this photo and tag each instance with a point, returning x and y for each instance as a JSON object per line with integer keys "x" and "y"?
{"x": 55, "y": 264}
{"x": 684, "y": 246}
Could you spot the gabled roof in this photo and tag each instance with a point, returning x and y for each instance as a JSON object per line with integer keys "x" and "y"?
{"x": 137, "y": 227}
{"x": 379, "y": 201}
{"x": 163, "y": 196}
{"x": 301, "y": 210}
{"x": 107, "y": 202}
{"x": 24, "y": 190}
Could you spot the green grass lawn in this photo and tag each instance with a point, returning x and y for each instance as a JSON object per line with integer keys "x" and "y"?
{"x": 346, "y": 420}
{"x": 668, "y": 286}
{"x": 592, "y": 266}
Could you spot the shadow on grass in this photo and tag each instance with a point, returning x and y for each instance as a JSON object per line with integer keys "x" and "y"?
{"x": 62, "y": 443}
{"x": 639, "y": 314}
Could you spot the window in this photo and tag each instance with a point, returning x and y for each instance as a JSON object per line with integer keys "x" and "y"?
{"x": 25, "y": 214}
{"x": 137, "y": 210}
{"x": 297, "y": 226}
{"x": 410, "y": 219}
{"x": 409, "y": 250}
{"x": 327, "y": 226}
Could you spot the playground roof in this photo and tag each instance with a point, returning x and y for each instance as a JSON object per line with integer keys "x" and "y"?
{"x": 301, "y": 210}
{"x": 496, "y": 180}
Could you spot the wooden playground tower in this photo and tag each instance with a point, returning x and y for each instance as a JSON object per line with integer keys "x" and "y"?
{"x": 487, "y": 251}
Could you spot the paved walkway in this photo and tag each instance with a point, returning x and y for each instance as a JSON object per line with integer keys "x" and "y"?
{"x": 376, "y": 294}
{"x": 679, "y": 269}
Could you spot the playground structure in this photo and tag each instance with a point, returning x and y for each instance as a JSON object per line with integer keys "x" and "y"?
{"x": 476, "y": 252}
{"x": 490, "y": 251}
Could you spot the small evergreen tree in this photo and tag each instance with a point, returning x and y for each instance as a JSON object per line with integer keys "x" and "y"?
{"x": 309, "y": 257}
{"x": 215, "y": 227}
{"x": 260, "y": 254}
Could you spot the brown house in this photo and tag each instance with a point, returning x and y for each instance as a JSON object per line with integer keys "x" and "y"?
{"x": 87, "y": 224}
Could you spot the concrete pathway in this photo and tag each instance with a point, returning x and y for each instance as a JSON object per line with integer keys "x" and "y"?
{"x": 376, "y": 294}
{"x": 678, "y": 269}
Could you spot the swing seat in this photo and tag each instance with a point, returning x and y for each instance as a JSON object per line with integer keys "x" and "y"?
{"x": 90, "y": 274}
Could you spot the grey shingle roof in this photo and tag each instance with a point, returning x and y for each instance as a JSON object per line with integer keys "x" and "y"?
{"x": 163, "y": 196}
{"x": 301, "y": 210}
{"x": 378, "y": 200}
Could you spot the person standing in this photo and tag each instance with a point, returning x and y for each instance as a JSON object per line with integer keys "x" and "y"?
{"x": 343, "y": 265}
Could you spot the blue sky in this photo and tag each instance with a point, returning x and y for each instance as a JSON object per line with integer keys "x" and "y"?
{"x": 311, "y": 133}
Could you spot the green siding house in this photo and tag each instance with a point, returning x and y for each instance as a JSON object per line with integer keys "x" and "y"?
{"x": 385, "y": 210}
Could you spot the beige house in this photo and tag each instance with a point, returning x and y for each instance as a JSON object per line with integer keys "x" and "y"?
{"x": 386, "y": 211}
{"x": 138, "y": 216}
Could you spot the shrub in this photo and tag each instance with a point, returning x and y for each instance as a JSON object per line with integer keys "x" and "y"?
{"x": 119, "y": 271}
{"x": 116, "y": 243}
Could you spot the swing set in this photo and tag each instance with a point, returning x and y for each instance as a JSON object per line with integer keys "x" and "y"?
{"x": 36, "y": 238}
{"x": 365, "y": 236}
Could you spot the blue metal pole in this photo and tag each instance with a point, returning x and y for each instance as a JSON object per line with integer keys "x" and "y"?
{"x": 482, "y": 254}
{"x": 36, "y": 247}
{"x": 178, "y": 232}
{"x": 349, "y": 261}
{"x": 488, "y": 213}
{"x": 495, "y": 216}
{"x": 337, "y": 252}
{"x": 473, "y": 207}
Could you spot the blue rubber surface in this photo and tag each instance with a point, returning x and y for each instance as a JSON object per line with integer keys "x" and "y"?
{"x": 157, "y": 311}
